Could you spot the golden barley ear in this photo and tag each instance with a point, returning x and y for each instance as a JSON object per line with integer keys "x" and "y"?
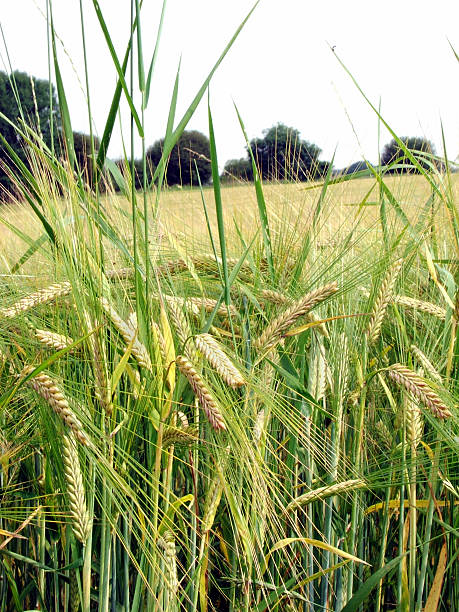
{"x": 139, "y": 351}
{"x": 53, "y": 340}
{"x": 46, "y": 388}
{"x": 43, "y": 296}
{"x": 382, "y": 301}
{"x": 274, "y": 331}
{"x": 205, "y": 398}
{"x": 419, "y": 389}
{"x": 218, "y": 359}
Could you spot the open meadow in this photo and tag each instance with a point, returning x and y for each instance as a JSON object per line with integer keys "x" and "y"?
{"x": 237, "y": 398}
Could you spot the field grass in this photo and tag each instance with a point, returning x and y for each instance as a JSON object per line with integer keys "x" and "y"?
{"x": 289, "y": 205}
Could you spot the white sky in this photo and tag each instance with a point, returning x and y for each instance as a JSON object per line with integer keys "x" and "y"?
{"x": 281, "y": 68}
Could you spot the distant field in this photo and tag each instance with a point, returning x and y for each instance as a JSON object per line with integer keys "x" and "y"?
{"x": 289, "y": 206}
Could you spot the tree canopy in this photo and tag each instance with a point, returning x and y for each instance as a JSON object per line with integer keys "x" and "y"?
{"x": 192, "y": 149}
{"x": 420, "y": 148}
{"x": 282, "y": 155}
{"x": 25, "y": 98}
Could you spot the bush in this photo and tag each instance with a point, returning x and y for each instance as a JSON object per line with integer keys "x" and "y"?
{"x": 192, "y": 149}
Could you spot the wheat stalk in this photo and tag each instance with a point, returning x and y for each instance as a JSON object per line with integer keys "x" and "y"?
{"x": 383, "y": 299}
{"x": 81, "y": 522}
{"x": 419, "y": 389}
{"x": 44, "y": 386}
{"x": 43, "y": 296}
{"x": 214, "y": 354}
{"x": 207, "y": 402}
{"x": 273, "y": 333}
{"x": 324, "y": 492}
{"x": 427, "y": 307}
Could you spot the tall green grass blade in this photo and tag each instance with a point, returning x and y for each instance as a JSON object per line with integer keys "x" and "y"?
{"x": 218, "y": 205}
{"x": 196, "y": 100}
{"x": 65, "y": 113}
{"x": 140, "y": 67}
{"x": 262, "y": 211}
{"x": 362, "y": 594}
{"x": 119, "y": 69}
{"x": 155, "y": 54}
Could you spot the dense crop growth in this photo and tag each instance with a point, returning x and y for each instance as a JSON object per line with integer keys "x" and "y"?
{"x": 258, "y": 420}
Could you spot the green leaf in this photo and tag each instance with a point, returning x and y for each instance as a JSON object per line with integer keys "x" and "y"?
{"x": 196, "y": 100}
{"x": 65, "y": 114}
{"x": 168, "y": 519}
{"x": 362, "y": 594}
{"x": 120, "y": 70}
{"x": 155, "y": 53}
{"x": 218, "y": 205}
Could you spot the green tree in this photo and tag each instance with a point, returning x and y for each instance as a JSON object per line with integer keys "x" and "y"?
{"x": 237, "y": 170}
{"x": 192, "y": 147}
{"x": 421, "y": 149}
{"x": 83, "y": 152}
{"x": 24, "y": 98}
{"x": 282, "y": 155}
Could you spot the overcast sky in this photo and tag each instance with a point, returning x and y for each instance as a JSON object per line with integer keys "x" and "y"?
{"x": 281, "y": 68}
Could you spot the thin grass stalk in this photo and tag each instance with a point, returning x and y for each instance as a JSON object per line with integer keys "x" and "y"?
{"x": 87, "y": 555}
{"x": 401, "y": 522}
{"x": 385, "y": 532}
{"x": 433, "y": 479}
{"x": 356, "y": 462}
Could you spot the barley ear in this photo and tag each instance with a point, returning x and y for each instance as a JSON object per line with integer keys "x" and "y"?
{"x": 218, "y": 359}
{"x": 205, "y": 398}
{"x": 81, "y": 522}
{"x": 383, "y": 299}
{"x": 419, "y": 389}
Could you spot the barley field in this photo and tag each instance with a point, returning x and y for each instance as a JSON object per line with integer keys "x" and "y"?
{"x": 235, "y": 398}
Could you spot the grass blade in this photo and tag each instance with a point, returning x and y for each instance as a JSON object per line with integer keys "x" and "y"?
{"x": 218, "y": 205}
{"x": 261, "y": 205}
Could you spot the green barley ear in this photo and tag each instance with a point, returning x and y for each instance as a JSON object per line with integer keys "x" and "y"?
{"x": 324, "y": 492}
{"x": 166, "y": 543}
{"x": 383, "y": 299}
{"x": 213, "y": 498}
{"x": 81, "y": 522}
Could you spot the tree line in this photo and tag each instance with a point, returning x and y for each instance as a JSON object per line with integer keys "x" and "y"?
{"x": 280, "y": 154}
